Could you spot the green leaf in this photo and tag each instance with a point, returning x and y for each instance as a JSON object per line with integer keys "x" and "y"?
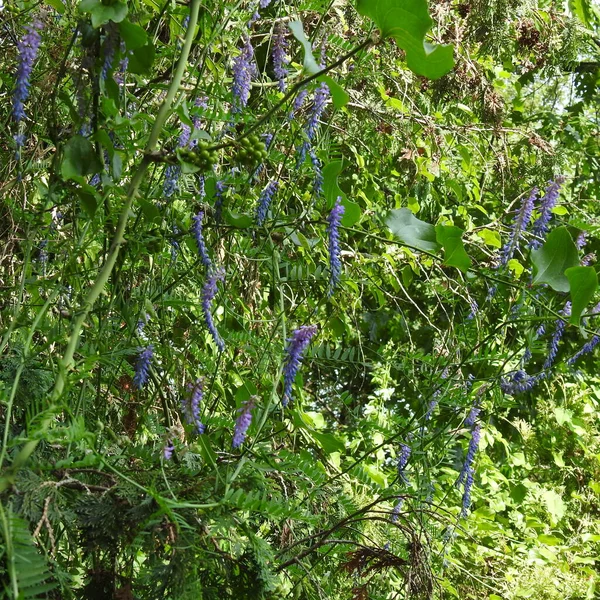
{"x": 88, "y": 201}
{"x": 103, "y": 13}
{"x": 328, "y": 442}
{"x": 142, "y": 58}
{"x": 332, "y": 191}
{"x": 338, "y": 94}
{"x": 57, "y": 5}
{"x": 490, "y": 238}
{"x": 237, "y": 220}
{"x": 133, "y": 35}
{"x": 583, "y": 10}
{"x": 552, "y": 260}
{"x": 555, "y": 505}
{"x": 310, "y": 64}
{"x": 408, "y": 22}
{"x": 79, "y": 158}
{"x": 583, "y": 283}
{"x": 450, "y": 237}
{"x": 412, "y": 231}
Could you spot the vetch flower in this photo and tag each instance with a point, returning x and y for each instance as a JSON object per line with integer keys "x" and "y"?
{"x": 335, "y": 264}
{"x": 403, "y": 461}
{"x": 191, "y": 410}
{"x": 519, "y": 226}
{"x": 243, "y": 70}
{"x": 472, "y": 416}
{"x": 242, "y": 423}
{"x": 168, "y": 450}
{"x": 28, "y": 48}
{"x": 320, "y": 102}
{"x": 219, "y": 192}
{"x": 142, "y": 369}
{"x": 471, "y": 451}
{"x": 396, "y": 511}
{"x": 280, "y": 59}
{"x": 547, "y": 203}
{"x": 208, "y": 294}
{"x": 297, "y": 344}
{"x": 199, "y": 237}
{"x": 298, "y": 103}
{"x": 559, "y": 330}
{"x": 264, "y": 201}
{"x": 585, "y": 349}
{"x": 318, "y": 178}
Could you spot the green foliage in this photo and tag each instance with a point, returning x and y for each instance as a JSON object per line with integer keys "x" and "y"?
{"x": 444, "y": 330}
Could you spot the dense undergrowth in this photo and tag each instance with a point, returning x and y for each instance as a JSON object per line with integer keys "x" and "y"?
{"x": 295, "y": 306}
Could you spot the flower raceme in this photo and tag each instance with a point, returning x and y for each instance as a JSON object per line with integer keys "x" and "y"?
{"x": 142, "y": 368}
{"x": 208, "y": 294}
{"x": 191, "y": 409}
{"x": 28, "y": 48}
{"x": 519, "y": 226}
{"x": 333, "y": 229}
{"x": 199, "y": 237}
{"x": 264, "y": 201}
{"x": 243, "y": 70}
{"x": 297, "y": 344}
{"x": 547, "y": 203}
{"x": 242, "y": 424}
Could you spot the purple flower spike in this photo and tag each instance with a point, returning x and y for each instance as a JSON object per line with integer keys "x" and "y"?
{"x": 280, "y": 59}
{"x": 548, "y": 202}
{"x": 403, "y": 461}
{"x": 320, "y": 101}
{"x": 28, "y": 48}
{"x": 242, "y": 424}
{"x": 298, "y": 103}
{"x": 472, "y": 416}
{"x": 168, "y": 450}
{"x": 520, "y": 224}
{"x": 208, "y": 294}
{"x": 559, "y": 330}
{"x": 318, "y": 179}
{"x": 585, "y": 349}
{"x": 243, "y": 70}
{"x": 335, "y": 265}
{"x": 192, "y": 412}
{"x": 199, "y": 237}
{"x": 142, "y": 368}
{"x": 297, "y": 344}
{"x": 264, "y": 202}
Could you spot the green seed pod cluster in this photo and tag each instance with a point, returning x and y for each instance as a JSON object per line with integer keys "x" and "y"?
{"x": 202, "y": 156}
{"x": 252, "y": 151}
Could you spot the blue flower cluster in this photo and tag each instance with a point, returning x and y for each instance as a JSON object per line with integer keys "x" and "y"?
{"x": 519, "y": 226}
{"x": 335, "y": 264}
{"x": 280, "y": 59}
{"x": 547, "y": 203}
{"x": 199, "y": 237}
{"x": 142, "y": 368}
{"x": 264, "y": 201}
{"x": 467, "y": 473}
{"x": 243, "y": 70}
{"x": 297, "y": 344}
{"x": 403, "y": 461}
{"x": 208, "y": 294}
{"x": 242, "y": 424}
{"x": 191, "y": 408}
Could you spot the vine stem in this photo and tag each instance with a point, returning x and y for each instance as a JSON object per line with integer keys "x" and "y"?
{"x": 66, "y": 363}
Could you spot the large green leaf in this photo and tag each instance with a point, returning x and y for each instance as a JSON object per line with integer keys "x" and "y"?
{"x": 412, "y": 231}
{"x": 332, "y": 190}
{"x": 450, "y": 237}
{"x": 338, "y": 93}
{"x": 408, "y": 22}
{"x": 552, "y": 260}
{"x": 80, "y": 158}
{"x": 583, "y": 283}
{"x": 310, "y": 64}
{"x": 103, "y": 13}
{"x": 133, "y": 35}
